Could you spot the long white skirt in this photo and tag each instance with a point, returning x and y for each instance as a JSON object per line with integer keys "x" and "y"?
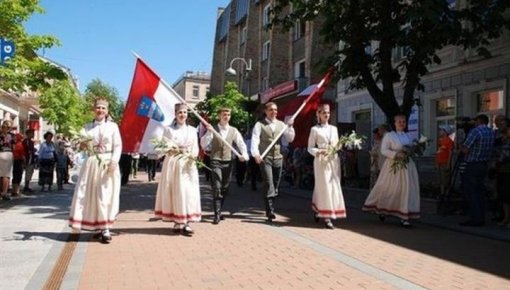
{"x": 328, "y": 200}
{"x": 178, "y": 194}
{"x": 96, "y": 196}
{"x": 396, "y": 194}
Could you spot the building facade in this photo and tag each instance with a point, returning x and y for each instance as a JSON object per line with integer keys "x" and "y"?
{"x": 270, "y": 63}
{"x": 193, "y": 86}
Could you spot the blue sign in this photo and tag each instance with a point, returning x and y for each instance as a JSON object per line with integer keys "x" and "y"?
{"x": 148, "y": 108}
{"x": 7, "y": 50}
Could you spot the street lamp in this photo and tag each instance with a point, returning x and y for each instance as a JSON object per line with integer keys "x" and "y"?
{"x": 231, "y": 71}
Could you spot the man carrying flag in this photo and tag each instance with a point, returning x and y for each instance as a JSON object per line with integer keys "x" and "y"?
{"x": 269, "y": 131}
{"x": 263, "y": 135}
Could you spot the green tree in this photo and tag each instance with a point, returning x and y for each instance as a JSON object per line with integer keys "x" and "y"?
{"x": 25, "y": 70}
{"x": 231, "y": 98}
{"x": 97, "y": 88}
{"x": 419, "y": 28}
{"x": 63, "y": 106}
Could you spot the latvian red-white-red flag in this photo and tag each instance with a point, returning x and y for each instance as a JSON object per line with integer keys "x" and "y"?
{"x": 309, "y": 98}
{"x": 149, "y": 108}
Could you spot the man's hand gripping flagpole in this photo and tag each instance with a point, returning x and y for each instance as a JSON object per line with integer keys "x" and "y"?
{"x": 194, "y": 112}
{"x": 322, "y": 83}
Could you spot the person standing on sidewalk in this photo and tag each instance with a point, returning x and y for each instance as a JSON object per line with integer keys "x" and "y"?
{"x": 152, "y": 164}
{"x": 222, "y": 159}
{"x": 47, "y": 158}
{"x": 396, "y": 191}
{"x": 262, "y": 136}
{"x": 18, "y": 154}
{"x": 135, "y": 159}
{"x": 30, "y": 158}
{"x": 6, "y": 160}
{"x": 327, "y": 201}
{"x": 178, "y": 193}
{"x": 477, "y": 149}
{"x": 95, "y": 202}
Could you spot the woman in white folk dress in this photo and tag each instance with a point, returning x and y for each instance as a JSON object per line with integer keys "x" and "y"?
{"x": 96, "y": 194}
{"x": 178, "y": 194}
{"x": 396, "y": 192}
{"x": 328, "y": 201}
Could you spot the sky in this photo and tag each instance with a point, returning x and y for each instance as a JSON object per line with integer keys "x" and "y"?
{"x": 99, "y": 36}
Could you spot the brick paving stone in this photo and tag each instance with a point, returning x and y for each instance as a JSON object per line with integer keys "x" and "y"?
{"x": 244, "y": 252}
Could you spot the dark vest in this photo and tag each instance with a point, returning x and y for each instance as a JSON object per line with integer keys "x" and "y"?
{"x": 220, "y": 151}
{"x": 267, "y": 136}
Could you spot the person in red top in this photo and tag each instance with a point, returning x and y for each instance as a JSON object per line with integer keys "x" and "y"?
{"x": 443, "y": 157}
{"x": 18, "y": 153}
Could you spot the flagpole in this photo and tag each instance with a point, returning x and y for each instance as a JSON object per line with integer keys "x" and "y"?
{"x": 215, "y": 133}
{"x": 294, "y": 116}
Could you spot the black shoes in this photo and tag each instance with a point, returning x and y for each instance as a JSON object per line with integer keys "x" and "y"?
{"x": 103, "y": 236}
{"x": 216, "y": 220}
{"x": 329, "y": 225}
{"x": 382, "y": 217}
{"x": 187, "y": 231}
{"x": 405, "y": 223}
{"x": 316, "y": 217}
{"x": 471, "y": 224}
{"x": 6, "y": 197}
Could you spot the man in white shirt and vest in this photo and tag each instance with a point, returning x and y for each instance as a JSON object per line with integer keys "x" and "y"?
{"x": 221, "y": 158}
{"x": 263, "y": 134}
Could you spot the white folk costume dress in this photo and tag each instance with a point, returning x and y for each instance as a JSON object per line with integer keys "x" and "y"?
{"x": 398, "y": 193}
{"x": 96, "y": 194}
{"x": 327, "y": 200}
{"x": 178, "y": 194}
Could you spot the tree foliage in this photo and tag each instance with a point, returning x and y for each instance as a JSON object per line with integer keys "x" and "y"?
{"x": 97, "y": 88}
{"x": 368, "y": 31}
{"x": 25, "y": 70}
{"x": 64, "y": 107}
{"x": 231, "y": 98}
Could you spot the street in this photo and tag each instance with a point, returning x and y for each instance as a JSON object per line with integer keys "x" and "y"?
{"x": 243, "y": 251}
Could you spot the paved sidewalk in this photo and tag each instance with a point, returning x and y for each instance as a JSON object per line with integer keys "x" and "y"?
{"x": 242, "y": 252}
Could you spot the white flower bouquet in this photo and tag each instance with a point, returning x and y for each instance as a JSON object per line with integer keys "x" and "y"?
{"x": 414, "y": 150}
{"x": 85, "y": 145}
{"x": 164, "y": 145}
{"x": 345, "y": 142}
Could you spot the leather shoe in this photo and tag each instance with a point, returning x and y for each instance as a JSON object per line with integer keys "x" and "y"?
{"x": 315, "y": 217}
{"x": 405, "y": 223}
{"x": 329, "y": 225}
{"x": 216, "y": 220}
{"x": 187, "y": 231}
{"x": 6, "y": 197}
{"x": 471, "y": 224}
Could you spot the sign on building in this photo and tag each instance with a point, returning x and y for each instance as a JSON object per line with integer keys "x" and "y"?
{"x": 7, "y": 50}
{"x": 414, "y": 121}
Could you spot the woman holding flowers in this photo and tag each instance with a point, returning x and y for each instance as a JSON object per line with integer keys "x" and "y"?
{"x": 397, "y": 189}
{"x": 328, "y": 201}
{"x": 178, "y": 194}
{"x": 95, "y": 202}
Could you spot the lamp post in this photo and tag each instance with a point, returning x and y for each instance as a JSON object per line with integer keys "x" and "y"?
{"x": 231, "y": 71}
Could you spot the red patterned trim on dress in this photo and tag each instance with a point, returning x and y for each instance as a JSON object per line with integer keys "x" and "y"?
{"x": 398, "y": 213}
{"x": 89, "y": 225}
{"x": 340, "y": 213}
{"x": 179, "y": 218}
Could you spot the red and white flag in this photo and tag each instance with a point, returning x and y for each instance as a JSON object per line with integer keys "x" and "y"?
{"x": 149, "y": 109}
{"x": 311, "y": 96}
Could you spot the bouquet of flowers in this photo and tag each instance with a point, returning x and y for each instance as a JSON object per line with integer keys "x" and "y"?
{"x": 347, "y": 141}
{"x": 164, "y": 145}
{"x": 84, "y": 143}
{"x": 415, "y": 149}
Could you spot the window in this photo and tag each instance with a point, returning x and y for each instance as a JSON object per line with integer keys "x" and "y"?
{"x": 489, "y": 101}
{"x": 266, "y": 49}
{"x": 299, "y": 69}
{"x": 244, "y": 32}
{"x": 445, "y": 114}
{"x": 299, "y": 29}
{"x": 266, "y": 17}
{"x": 196, "y": 90}
{"x": 265, "y": 84}
{"x": 445, "y": 107}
